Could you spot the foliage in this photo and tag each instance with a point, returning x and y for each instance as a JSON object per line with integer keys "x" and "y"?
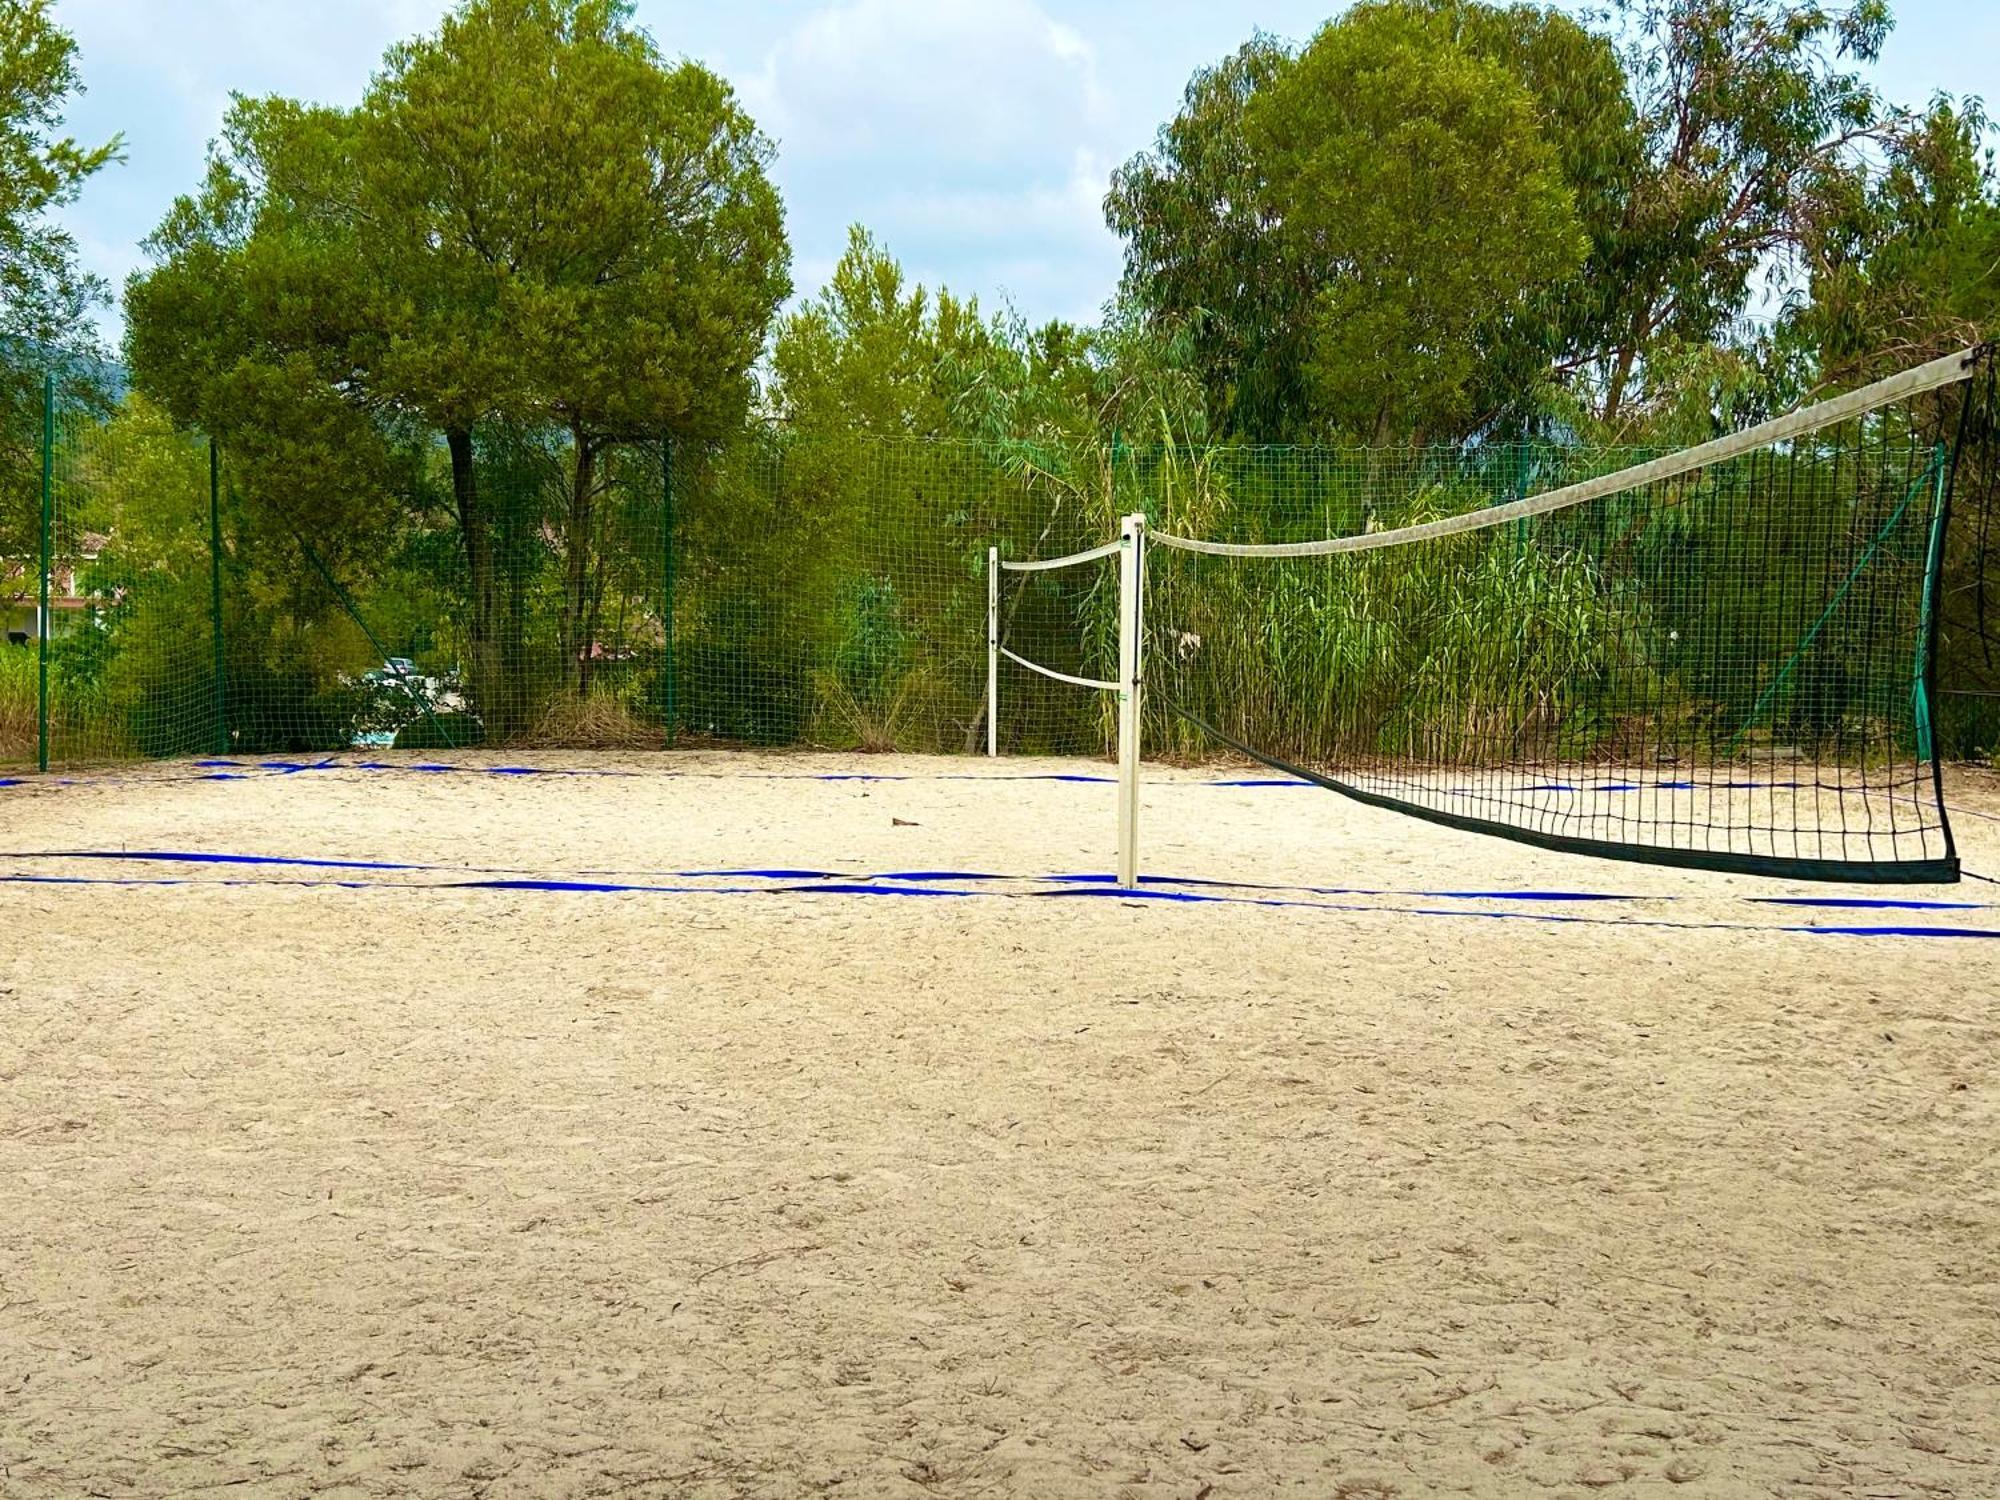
{"x": 1743, "y": 107}
{"x": 1410, "y": 181}
{"x": 1900, "y": 261}
{"x": 45, "y": 296}
{"x": 1201, "y": 260}
{"x": 481, "y": 355}
{"x": 531, "y": 222}
{"x": 1707, "y": 145}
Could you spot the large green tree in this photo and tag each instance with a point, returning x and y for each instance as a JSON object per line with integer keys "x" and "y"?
{"x": 532, "y": 220}
{"x": 1744, "y": 107}
{"x": 1203, "y": 266}
{"x": 45, "y": 295}
{"x": 1447, "y": 132}
{"x": 607, "y": 245}
{"x": 1704, "y": 144}
{"x": 1410, "y": 179}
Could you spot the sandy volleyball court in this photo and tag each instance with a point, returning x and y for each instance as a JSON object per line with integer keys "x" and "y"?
{"x": 439, "y": 1172}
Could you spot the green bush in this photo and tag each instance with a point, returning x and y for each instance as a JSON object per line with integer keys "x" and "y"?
{"x": 455, "y": 731}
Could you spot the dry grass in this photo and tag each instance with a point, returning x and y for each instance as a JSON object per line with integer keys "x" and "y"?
{"x": 844, "y": 717}
{"x": 601, "y": 721}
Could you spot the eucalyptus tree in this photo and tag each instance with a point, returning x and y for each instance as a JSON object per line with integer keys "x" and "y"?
{"x": 1744, "y": 108}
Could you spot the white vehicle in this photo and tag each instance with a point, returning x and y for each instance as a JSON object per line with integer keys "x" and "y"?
{"x": 399, "y": 695}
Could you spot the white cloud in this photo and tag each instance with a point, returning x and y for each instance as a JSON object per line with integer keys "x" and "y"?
{"x": 973, "y": 82}
{"x": 1065, "y": 210}
{"x": 974, "y": 137}
{"x": 201, "y": 49}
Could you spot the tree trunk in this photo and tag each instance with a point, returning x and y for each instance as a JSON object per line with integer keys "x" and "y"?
{"x": 1621, "y": 373}
{"x": 518, "y": 540}
{"x": 488, "y": 677}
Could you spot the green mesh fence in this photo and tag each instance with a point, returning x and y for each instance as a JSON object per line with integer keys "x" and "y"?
{"x": 781, "y": 589}
{"x": 775, "y": 590}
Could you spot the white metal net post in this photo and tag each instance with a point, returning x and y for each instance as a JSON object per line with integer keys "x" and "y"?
{"x": 1131, "y": 583}
{"x": 1129, "y": 549}
{"x": 992, "y": 651}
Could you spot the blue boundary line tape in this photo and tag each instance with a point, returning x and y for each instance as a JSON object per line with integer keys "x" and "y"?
{"x": 1869, "y": 903}
{"x": 856, "y": 888}
{"x": 1162, "y": 886}
{"x": 905, "y": 886}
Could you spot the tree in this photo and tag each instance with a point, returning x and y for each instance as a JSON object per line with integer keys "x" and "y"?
{"x": 1901, "y": 260}
{"x": 530, "y": 221}
{"x": 1410, "y": 180}
{"x": 1202, "y": 262}
{"x": 1395, "y": 184}
{"x": 1744, "y": 106}
{"x": 872, "y": 353}
{"x": 45, "y": 296}
{"x": 1586, "y": 115}
{"x": 262, "y": 322}
{"x": 610, "y": 254}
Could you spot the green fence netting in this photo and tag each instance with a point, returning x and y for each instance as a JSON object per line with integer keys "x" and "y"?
{"x": 782, "y": 588}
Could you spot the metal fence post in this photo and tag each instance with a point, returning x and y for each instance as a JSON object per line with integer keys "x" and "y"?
{"x": 669, "y": 685}
{"x": 1131, "y": 582}
{"x": 48, "y": 568}
{"x": 215, "y": 596}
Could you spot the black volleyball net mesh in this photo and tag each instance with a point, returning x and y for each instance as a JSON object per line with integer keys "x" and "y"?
{"x": 1721, "y": 658}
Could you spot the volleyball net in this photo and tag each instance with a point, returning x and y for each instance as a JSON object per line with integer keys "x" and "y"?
{"x": 1722, "y": 657}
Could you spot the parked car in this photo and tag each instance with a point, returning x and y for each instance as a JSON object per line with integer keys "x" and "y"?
{"x": 396, "y": 695}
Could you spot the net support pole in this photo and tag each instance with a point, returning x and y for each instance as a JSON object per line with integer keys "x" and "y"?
{"x": 992, "y": 651}
{"x": 47, "y": 620}
{"x": 221, "y": 742}
{"x": 1131, "y": 581}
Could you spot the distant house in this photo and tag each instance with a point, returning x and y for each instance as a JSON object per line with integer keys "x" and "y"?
{"x": 21, "y": 588}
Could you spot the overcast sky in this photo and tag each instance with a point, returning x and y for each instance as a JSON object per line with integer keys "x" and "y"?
{"x": 974, "y": 137}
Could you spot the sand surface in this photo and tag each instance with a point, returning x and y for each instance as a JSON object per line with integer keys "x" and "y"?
{"x": 399, "y": 1188}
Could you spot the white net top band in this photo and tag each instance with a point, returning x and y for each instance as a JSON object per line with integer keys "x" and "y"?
{"x": 1042, "y": 564}
{"x": 1856, "y": 403}
{"x": 1035, "y": 666}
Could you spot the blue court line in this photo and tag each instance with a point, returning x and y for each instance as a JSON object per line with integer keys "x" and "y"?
{"x": 1112, "y": 892}
{"x": 1149, "y": 884}
{"x": 1353, "y": 890}
{"x": 167, "y": 856}
{"x": 172, "y": 856}
{"x": 919, "y": 876}
{"x": 737, "y": 874}
{"x": 1524, "y": 916}
{"x": 1875, "y": 903}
